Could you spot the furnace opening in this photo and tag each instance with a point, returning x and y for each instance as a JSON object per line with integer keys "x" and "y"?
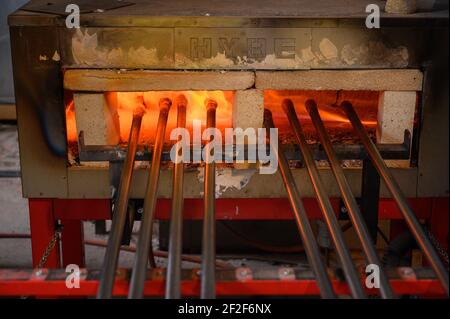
{"x": 339, "y": 128}
{"x": 118, "y": 108}
{"x": 105, "y": 118}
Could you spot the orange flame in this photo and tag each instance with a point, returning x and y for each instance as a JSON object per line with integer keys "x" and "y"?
{"x": 364, "y": 102}
{"x": 71, "y": 124}
{"x": 127, "y": 101}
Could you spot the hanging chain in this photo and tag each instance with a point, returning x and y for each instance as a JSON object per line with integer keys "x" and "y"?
{"x": 441, "y": 251}
{"x": 55, "y": 238}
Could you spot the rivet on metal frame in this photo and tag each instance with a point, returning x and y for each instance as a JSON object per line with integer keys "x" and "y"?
{"x": 407, "y": 273}
{"x": 39, "y": 274}
{"x": 285, "y": 273}
{"x": 243, "y": 274}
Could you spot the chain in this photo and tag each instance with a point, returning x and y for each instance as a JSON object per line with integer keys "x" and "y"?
{"x": 50, "y": 246}
{"x": 441, "y": 251}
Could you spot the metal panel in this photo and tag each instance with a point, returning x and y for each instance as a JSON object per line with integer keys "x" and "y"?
{"x": 268, "y": 48}
{"x": 276, "y": 281}
{"x": 278, "y": 47}
{"x": 434, "y": 135}
{"x": 40, "y": 109}
{"x": 259, "y": 186}
{"x": 196, "y": 12}
{"x": 59, "y": 7}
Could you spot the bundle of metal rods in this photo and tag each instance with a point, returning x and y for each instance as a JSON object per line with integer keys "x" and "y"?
{"x": 396, "y": 192}
{"x": 144, "y": 249}
{"x": 356, "y": 217}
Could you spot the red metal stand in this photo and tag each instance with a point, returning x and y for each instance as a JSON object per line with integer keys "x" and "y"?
{"x": 72, "y": 243}
{"x": 238, "y": 208}
{"x": 50, "y": 283}
{"x": 45, "y": 213}
{"x": 42, "y": 226}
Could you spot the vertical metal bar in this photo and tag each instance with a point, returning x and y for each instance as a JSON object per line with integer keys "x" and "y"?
{"x": 72, "y": 243}
{"x": 370, "y": 197}
{"x": 349, "y": 269}
{"x": 311, "y": 248}
{"x": 349, "y": 200}
{"x": 144, "y": 245}
{"x": 399, "y": 197}
{"x": 129, "y": 222}
{"x": 208, "y": 273}
{"x": 120, "y": 211}
{"x": 176, "y": 219}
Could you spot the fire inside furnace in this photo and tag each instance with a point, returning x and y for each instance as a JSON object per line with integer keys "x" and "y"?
{"x": 338, "y": 126}
{"x": 122, "y": 104}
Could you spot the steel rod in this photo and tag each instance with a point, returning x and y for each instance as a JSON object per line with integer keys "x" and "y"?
{"x": 208, "y": 271}
{"x": 144, "y": 245}
{"x": 349, "y": 200}
{"x": 173, "y": 280}
{"x": 309, "y": 242}
{"x": 334, "y": 228}
{"x": 110, "y": 260}
{"x": 398, "y": 196}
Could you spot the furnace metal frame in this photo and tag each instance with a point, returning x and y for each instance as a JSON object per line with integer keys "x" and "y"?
{"x": 58, "y": 194}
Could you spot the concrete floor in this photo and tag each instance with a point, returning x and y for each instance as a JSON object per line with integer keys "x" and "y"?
{"x": 13, "y": 208}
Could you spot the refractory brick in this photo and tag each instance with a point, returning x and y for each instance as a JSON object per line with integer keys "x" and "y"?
{"x": 96, "y": 115}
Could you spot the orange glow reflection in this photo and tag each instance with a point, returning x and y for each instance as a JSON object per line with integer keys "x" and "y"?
{"x": 127, "y": 101}
{"x": 71, "y": 125}
{"x": 364, "y": 102}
